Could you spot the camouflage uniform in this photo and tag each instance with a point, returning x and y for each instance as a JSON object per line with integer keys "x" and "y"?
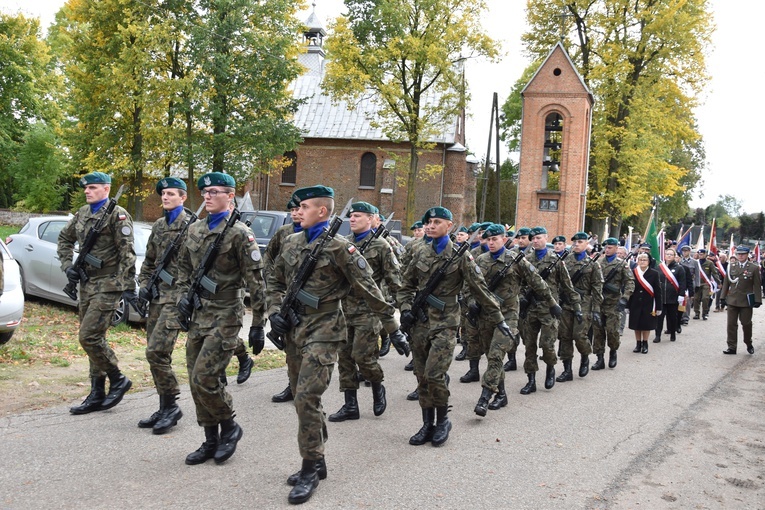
{"x": 433, "y": 342}
{"x": 214, "y": 329}
{"x": 620, "y": 285}
{"x": 538, "y": 317}
{"x": 703, "y": 291}
{"x": 162, "y": 311}
{"x": 312, "y": 345}
{"x": 590, "y": 289}
{"x": 100, "y": 295}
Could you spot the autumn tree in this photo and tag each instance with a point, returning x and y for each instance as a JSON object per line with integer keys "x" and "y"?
{"x": 644, "y": 62}
{"x": 406, "y": 55}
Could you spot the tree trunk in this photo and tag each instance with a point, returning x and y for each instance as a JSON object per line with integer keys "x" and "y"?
{"x": 411, "y": 182}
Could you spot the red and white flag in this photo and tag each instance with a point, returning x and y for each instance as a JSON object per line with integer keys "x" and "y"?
{"x": 713, "y": 238}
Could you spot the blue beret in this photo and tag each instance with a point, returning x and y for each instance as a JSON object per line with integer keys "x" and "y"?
{"x": 95, "y": 178}
{"x": 559, "y": 239}
{"x": 216, "y": 179}
{"x": 536, "y": 231}
{"x": 511, "y": 233}
{"x": 170, "y": 182}
{"x": 437, "y": 212}
{"x": 494, "y": 229}
{"x": 416, "y": 224}
{"x": 580, "y": 236}
{"x": 523, "y": 231}
{"x": 363, "y": 207}
{"x": 317, "y": 191}
{"x": 291, "y": 204}
{"x": 611, "y": 241}
{"x": 462, "y": 229}
{"x": 381, "y": 215}
{"x": 485, "y": 225}
{"x": 472, "y": 228}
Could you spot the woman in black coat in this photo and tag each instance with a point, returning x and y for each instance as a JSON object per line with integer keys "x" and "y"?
{"x": 644, "y": 303}
{"x": 671, "y": 293}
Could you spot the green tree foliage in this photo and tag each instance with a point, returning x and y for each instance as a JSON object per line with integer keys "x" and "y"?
{"x": 28, "y": 89}
{"x": 644, "y": 62}
{"x": 407, "y": 54}
{"x": 39, "y": 172}
{"x": 508, "y": 194}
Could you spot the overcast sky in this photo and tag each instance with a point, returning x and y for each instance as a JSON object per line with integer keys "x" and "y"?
{"x": 724, "y": 118}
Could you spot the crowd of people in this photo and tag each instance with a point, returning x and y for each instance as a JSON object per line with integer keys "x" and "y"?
{"x": 346, "y": 300}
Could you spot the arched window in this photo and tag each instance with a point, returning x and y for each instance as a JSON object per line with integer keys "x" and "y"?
{"x": 368, "y": 170}
{"x": 289, "y": 173}
{"x": 552, "y": 152}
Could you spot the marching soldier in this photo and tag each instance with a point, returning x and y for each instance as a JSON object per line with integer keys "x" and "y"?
{"x": 692, "y": 277}
{"x": 100, "y": 294}
{"x": 542, "y": 318}
{"x": 559, "y": 244}
{"x": 433, "y": 340}
{"x": 741, "y": 292}
{"x": 359, "y": 355}
{"x": 216, "y": 315}
{"x": 493, "y": 343}
{"x": 587, "y": 279}
{"x": 320, "y": 332}
{"x": 162, "y": 323}
{"x": 618, "y": 285}
{"x": 273, "y": 249}
{"x": 709, "y": 280}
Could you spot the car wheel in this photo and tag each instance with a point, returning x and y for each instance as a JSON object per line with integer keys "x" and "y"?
{"x": 4, "y": 337}
{"x": 121, "y": 313}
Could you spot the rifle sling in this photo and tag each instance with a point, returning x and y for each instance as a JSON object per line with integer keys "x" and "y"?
{"x": 221, "y": 296}
{"x": 329, "y": 306}
{"x": 104, "y": 271}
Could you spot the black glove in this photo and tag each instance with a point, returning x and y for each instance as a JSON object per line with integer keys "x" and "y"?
{"x": 257, "y": 339}
{"x": 723, "y": 302}
{"x": 399, "y": 342}
{"x": 756, "y": 305}
{"x": 185, "y": 307}
{"x": 144, "y": 293}
{"x": 579, "y": 317}
{"x": 474, "y": 309}
{"x": 596, "y": 317}
{"x": 407, "y": 319}
{"x": 72, "y": 274}
{"x": 504, "y": 328}
{"x": 556, "y": 311}
{"x": 130, "y": 296}
{"x": 621, "y": 305}
{"x": 278, "y": 324}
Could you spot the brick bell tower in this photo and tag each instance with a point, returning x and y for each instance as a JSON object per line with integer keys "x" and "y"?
{"x": 555, "y": 147}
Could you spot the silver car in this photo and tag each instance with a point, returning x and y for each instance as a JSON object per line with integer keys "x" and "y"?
{"x": 12, "y": 300}
{"x": 34, "y": 248}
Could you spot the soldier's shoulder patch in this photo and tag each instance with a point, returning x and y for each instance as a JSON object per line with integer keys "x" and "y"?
{"x": 362, "y": 263}
{"x": 470, "y": 256}
{"x": 122, "y": 217}
{"x": 250, "y": 238}
{"x": 125, "y": 230}
{"x": 255, "y": 255}
{"x": 477, "y": 269}
{"x": 351, "y": 248}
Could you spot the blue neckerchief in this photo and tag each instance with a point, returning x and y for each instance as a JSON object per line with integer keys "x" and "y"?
{"x": 580, "y": 256}
{"x": 297, "y": 228}
{"x": 427, "y": 239}
{"x": 474, "y": 244}
{"x": 172, "y": 214}
{"x": 610, "y": 258}
{"x": 214, "y": 219}
{"x": 484, "y": 248}
{"x": 440, "y": 243}
{"x": 311, "y": 233}
{"x": 541, "y": 253}
{"x": 498, "y": 253}
{"x": 526, "y": 248}
{"x": 559, "y": 253}
{"x": 98, "y": 205}
{"x": 360, "y": 237}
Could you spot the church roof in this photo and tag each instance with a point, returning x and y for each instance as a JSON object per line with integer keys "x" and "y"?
{"x": 558, "y": 49}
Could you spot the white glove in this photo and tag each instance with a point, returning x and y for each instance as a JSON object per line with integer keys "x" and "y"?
{"x": 680, "y": 300}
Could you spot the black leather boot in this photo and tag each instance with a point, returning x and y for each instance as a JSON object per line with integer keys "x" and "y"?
{"x": 443, "y": 426}
{"x": 566, "y": 375}
{"x": 349, "y": 411}
{"x": 321, "y": 470}
{"x": 170, "y": 414}
{"x": 118, "y": 386}
{"x": 531, "y": 386}
{"x": 152, "y": 420}
{"x": 207, "y": 450}
{"x": 94, "y": 399}
{"x": 500, "y": 399}
{"x": 415, "y": 395}
{"x": 638, "y": 347}
{"x": 672, "y": 337}
{"x": 284, "y": 396}
{"x": 510, "y": 364}
{"x": 600, "y": 364}
{"x": 483, "y": 402}
{"x": 378, "y": 396}
{"x": 550, "y": 376}
{"x": 644, "y": 348}
{"x": 306, "y": 483}
{"x": 462, "y": 354}
{"x": 425, "y": 434}
{"x": 657, "y": 339}
{"x": 230, "y": 434}
{"x": 584, "y": 366}
{"x": 612, "y": 358}
{"x": 409, "y": 366}
{"x": 245, "y": 368}
{"x": 472, "y": 374}
{"x": 384, "y": 345}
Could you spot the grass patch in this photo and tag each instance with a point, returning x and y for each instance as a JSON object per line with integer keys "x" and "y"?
{"x": 6, "y": 230}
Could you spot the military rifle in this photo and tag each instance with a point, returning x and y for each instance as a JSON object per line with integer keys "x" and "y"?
{"x": 529, "y": 298}
{"x": 580, "y": 272}
{"x": 295, "y": 290}
{"x": 160, "y": 271}
{"x": 200, "y": 281}
{"x": 473, "y": 312}
{"x": 87, "y": 246}
{"x": 613, "y": 289}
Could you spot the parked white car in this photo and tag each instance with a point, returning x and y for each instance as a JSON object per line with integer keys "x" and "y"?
{"x": 12, "y": 300}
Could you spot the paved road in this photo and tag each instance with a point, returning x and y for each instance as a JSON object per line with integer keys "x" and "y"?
{"x": 681, "y": 427}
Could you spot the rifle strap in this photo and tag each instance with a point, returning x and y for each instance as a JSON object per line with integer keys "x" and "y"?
{"x": 104, "y": 271}
{"x": 329, "y": 306}
{"x": 221, "y": 296}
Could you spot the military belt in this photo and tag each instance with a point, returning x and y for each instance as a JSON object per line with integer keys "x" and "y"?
{"x": 220, "y": 296}
{"x": 328, "y": 306}
{"x": 104, "y": 271}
